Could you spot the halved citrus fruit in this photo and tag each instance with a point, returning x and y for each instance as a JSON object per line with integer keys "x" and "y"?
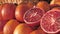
{"x": 50, "y": 22}
{"x": 33, "y": 16}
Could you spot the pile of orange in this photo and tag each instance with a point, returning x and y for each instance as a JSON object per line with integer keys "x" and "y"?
{"x": 11, "y": 17}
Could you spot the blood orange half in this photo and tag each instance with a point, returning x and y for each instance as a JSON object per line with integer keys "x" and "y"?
{"x": 33, "y": 16}
{"x": 50, "y": 22}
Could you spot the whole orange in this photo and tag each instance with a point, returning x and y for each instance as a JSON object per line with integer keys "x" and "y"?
{"x": 44, "y": 5}
{"x": 10, "y": 26}
{"x": 8, "y": 11}
{"x": 22, "y": 29}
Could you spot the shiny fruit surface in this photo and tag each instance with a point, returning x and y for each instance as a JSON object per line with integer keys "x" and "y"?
{"x": 8, "y": 11}
{"x": 22, "y": 29}
{"x": 20, "y": 10}
{"x": 10, "y": 26}
{"x": 55, "y": 2}
{"x": 44, "y": 5}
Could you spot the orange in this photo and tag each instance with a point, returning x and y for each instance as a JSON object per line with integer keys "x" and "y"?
{"x": 7, "y": 11}
{"x": 38, "y": 32}
{"x": 55, "y": 2}
{"x": 30, "y": 4}
{"x": 20, "y": 10}
{"x": 22, "y": 29}
{"x": 10, "y": 26}
{"x": 44, "y": 5}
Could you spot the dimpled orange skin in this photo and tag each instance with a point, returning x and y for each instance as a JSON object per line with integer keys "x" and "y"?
{"x": 20, "y": 10}
{"x": 8, "y": 11}
{"x": 10, "y": 26}
{"x": 22, "y": 29}
{"x": 44, "y": 5}
{"x": 38, "y": 32}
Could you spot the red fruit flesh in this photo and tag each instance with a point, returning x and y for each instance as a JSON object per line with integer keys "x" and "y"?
{"x": 50, "y": 22}
{"x": 33, "y": 16}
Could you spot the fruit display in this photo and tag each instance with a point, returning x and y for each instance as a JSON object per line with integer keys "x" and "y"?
{"x": 29, "y": 16}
